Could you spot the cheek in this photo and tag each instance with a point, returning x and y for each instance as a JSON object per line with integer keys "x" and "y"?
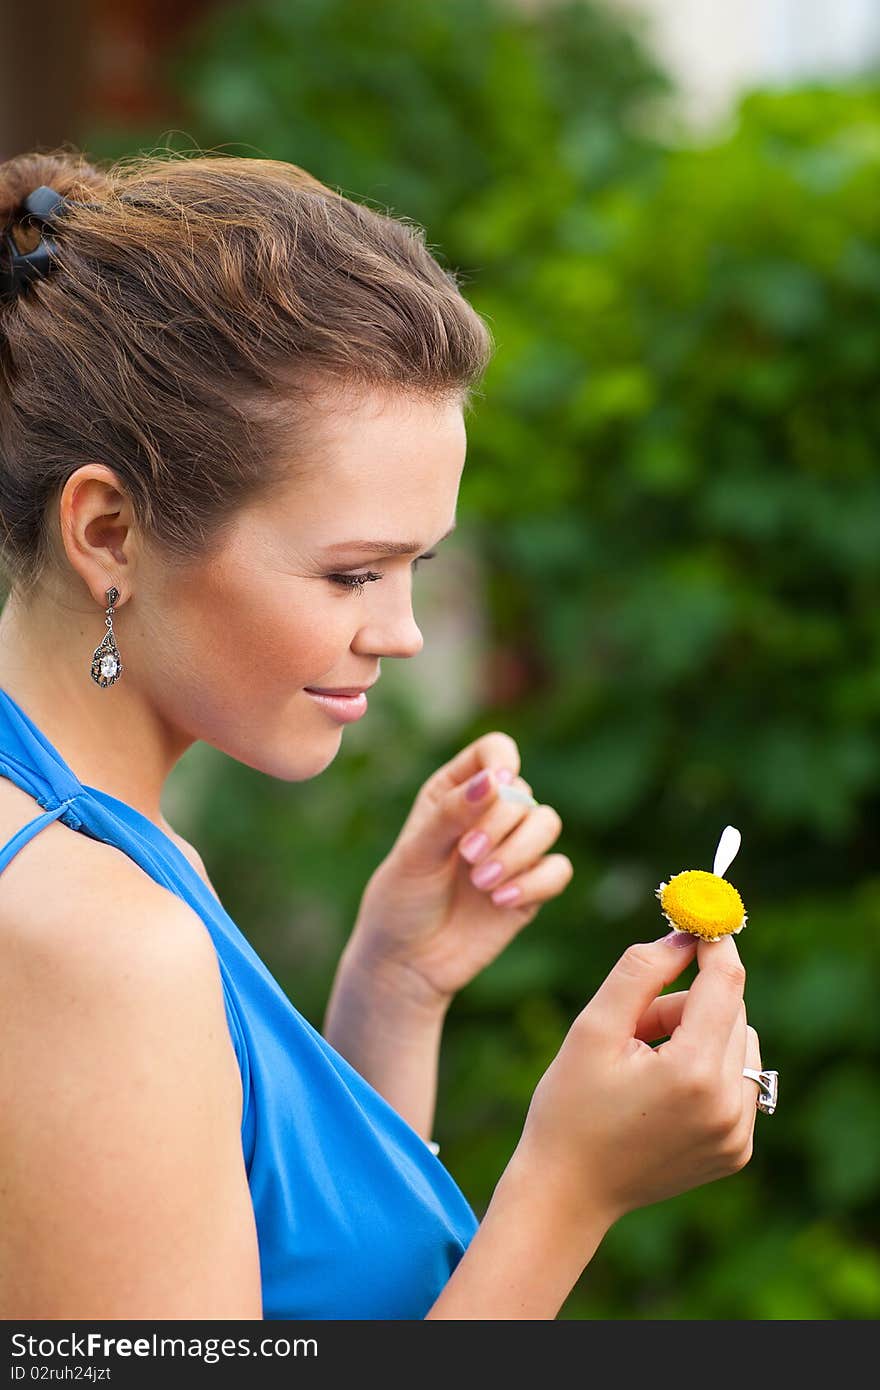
{"x": 281, "y": 632}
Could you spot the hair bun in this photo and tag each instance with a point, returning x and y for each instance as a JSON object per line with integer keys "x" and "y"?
{"x": 34, "y": 188}
{"x": 66, "y": 175}
{"x": 19, "y": 268}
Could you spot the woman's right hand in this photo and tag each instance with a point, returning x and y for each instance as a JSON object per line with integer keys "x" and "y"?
{"x": 615, "y": 1124}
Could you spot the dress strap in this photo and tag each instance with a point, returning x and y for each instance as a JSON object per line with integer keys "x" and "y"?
{"x": 27, "y": 832}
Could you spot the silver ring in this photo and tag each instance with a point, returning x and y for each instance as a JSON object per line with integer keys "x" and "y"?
{"x": 768, "y": 1083}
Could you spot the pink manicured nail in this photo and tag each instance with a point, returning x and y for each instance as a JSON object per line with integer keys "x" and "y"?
{"x": 508, "y": 894}
{"x": 478, "y": 786}
{"x": 505, "y": 775}
{"x": 473, "y": 844}
{"x": 486, "y": 874}
{"x": 679, "y": 938}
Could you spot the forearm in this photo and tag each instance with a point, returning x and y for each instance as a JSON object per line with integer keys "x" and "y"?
{"x": 391, "y": 1034}
{"x": 526, "y": 1256}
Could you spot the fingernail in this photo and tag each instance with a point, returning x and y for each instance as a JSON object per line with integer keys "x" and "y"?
{"x": 478, "y": 786}
{"x": 472, "y": 845}
{"x": 508, "y": 894}
{"x": 486, "y": 874}
{"x": 678, "y": 938}
{"x": 504, "y": 774}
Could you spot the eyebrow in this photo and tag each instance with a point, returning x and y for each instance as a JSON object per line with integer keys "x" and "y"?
{"x": 382, "y": 547}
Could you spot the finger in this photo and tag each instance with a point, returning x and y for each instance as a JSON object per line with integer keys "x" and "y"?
{"x": 494, "y": 750}
{"x": 743, "y": 1140}
{"x": 715, "y": 997}
{"x": 508, "y": 849}
{"x": 742, "y": 1094}
{"x": 642, "y": 972}
{"x": 751, "y": 1090}
{"x": 474, "y": 814}
{"x": 547, "y": 879}
{"x": 734, "y": 1058}
{"x": 494, "y": 819}
{"x": 661, "y": 1017}
{"x": 441, "y": 822}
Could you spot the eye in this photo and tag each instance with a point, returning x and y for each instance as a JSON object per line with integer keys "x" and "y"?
{"x": 355, "y": 582}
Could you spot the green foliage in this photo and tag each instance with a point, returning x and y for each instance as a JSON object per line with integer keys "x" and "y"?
{"x": 672, "y": 484}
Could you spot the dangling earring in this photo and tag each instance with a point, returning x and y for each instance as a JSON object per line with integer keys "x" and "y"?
{"x": 106, "y": 661}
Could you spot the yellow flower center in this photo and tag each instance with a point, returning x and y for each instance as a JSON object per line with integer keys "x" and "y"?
{"x": 702, "y": 903}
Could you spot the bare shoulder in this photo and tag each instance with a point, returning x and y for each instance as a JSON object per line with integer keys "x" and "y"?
{"x": 120, "y": 1096}
{"x": 59, "y": 864}
{"x": 73, "y": 903}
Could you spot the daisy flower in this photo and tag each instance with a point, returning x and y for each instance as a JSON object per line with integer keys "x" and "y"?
{"x": 703, "y": 903}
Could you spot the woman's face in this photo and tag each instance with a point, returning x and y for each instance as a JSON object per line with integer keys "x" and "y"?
{"x": 270, "y": 616}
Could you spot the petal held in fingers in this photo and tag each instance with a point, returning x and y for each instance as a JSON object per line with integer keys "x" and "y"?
{"x": 516, "y": 795}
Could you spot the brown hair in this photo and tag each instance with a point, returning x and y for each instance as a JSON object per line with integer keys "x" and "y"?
{"x": 191, "y": 301}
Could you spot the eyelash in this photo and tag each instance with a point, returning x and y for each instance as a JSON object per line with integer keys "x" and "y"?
{"x": 355, "y": 582}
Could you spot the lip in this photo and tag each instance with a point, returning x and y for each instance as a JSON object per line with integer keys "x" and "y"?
{"x": 339, "y": 690}
{"x": 343, "y": 708}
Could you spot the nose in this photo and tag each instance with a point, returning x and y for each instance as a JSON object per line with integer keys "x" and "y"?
{"x": 390, "y": 638}
{"x": 390, "y": 628}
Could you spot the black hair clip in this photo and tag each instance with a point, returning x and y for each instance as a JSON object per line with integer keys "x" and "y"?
{"x": 25, "y": 266}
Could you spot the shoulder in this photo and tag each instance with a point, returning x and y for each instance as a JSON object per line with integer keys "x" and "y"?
{"x": 54, "y": 844}
{"x": 119, "y": 1092}
{"x": 59, "y": 865}
{"x": 77, "y": 907}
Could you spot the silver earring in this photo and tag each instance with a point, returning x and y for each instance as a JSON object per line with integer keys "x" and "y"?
{"x": 106, "y": 661}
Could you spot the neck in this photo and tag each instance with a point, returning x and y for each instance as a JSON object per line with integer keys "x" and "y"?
{"x": 112, "y": 739}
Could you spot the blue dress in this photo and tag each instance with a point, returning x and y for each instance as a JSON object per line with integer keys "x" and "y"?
{"x": 356, "y": 1217}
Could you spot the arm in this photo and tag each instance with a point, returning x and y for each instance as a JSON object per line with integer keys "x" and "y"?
{"x": 526, "y": 1256}
{"x": 388, "y": 1026}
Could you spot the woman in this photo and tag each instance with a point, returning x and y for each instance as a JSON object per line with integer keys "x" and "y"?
{"x": 232, "y": 400}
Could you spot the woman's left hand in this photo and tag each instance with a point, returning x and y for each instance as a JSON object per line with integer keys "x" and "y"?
{"x": 421, "y": 916}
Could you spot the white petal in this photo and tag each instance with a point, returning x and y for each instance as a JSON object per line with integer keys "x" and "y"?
{"x": 516, "y": 794}
{"x": 728, "y": 847}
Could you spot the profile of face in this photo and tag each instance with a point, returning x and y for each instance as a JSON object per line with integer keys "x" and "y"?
{"x": 227, "y": 656}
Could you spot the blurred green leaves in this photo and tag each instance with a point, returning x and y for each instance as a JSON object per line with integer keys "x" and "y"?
{"x": 427, "y": 106}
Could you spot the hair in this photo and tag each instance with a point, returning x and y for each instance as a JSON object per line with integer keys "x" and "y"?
{"x": 191, "y": 304}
